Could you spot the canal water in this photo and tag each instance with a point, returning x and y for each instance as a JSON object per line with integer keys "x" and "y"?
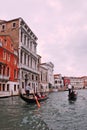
{"x": 56, "y": 113}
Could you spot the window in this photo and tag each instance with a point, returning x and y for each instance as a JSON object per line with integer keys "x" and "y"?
{"x": 7, "y": 87}
{"x": 25, "y": 59}
{"x": 4, "y": 55}
{"x": 13, "y": 25}
{"x": 14, "y": 73}
{"x": 41, "y": 87}
{"x": 4, "y": 68}
{"x": 25, "y": 39}
{"x": 14, "y": 87}
{"x": 36, "y": 78}
{"x": 35, "y": 48}
{"x": 5, "y": 42}
{"x": 28, "y": 60}
{"x": 31, "y": 62}
{"x": 28, "y": 42}
{"x": 31, "y": 45}
{"x": 3, "y": 87}
{"x": 21, "y": 56}
{"x": 3, "y": 27}
{"x": 22, "y": 74}
{"x": 32, "y": 77}
{"x": 41, "y": 76}
{"x": 8, "y": 71}
{"x": 8, "y": 57}
{"x": 21, "y": 35}
{"x": 55, "y": 81}
{"x": 22, "y": 84}
{"x": 18, "y": 86}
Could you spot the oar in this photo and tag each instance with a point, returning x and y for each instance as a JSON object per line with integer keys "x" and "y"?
{"x": 38, "y": 104}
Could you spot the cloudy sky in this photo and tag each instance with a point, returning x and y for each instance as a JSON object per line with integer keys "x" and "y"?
{"x": 61, "y": 28}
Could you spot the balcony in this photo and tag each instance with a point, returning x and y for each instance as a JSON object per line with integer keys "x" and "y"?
{"x": 29, "y": 69}
{"x": 4, "y": 78}
{"x": 28, "y": 50}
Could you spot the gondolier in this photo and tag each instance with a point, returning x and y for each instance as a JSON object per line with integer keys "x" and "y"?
{"x": 69, "y": 88}
{"x": 73, "y": 94}
{"x": 27, "y": 89}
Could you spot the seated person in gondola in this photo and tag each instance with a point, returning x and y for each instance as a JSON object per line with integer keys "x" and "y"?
{"x": 38, "y": 95}
{"x": 42, "y": 94}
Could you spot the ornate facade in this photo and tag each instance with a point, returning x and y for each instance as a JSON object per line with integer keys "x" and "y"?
{"x": 25, "y": 41}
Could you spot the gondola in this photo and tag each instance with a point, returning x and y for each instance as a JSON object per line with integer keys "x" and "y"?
{"x": 72, "y": 96}
{"x": 31, "y": 100}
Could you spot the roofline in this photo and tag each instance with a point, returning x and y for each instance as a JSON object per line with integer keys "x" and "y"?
{"x": 4, "y": 21}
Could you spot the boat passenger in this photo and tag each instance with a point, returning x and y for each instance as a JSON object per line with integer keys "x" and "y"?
{"x": 38, "y": 95}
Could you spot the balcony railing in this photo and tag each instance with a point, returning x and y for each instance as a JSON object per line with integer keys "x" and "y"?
{"x": 26, "y": 48}
{"x": 29, "y": 69}
{"x": 4, "y": 78}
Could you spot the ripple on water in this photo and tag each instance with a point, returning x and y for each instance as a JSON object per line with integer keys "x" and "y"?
{"x": 57, "y": 113}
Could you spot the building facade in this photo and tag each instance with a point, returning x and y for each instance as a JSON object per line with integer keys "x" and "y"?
{"x": 58, "y": 82}
{"x": 8, "y": 67}
{"x": 84, "y": 81}
{"x": 77, "y": 82}
{"x": 44, "y": 79}
{"x": 25, "y": 41}
{"x": 50, "y": 67}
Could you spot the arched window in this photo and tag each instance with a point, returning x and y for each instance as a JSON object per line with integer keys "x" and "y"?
{"x": 7, "y": 87}
{"x": 32, "y": 77}
{"x": 14, "y": 87}
{"x": 4, "y": 70}
{"x": 8, "y": 71}
{"x": 3, "y": 87}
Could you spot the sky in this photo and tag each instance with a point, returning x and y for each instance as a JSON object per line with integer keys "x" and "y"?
{"x": 61, "y": 28}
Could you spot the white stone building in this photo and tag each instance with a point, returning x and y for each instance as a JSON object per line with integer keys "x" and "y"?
{"x": 58, "y": 82}
{"x": 50, "y": 67}
{"x": 25, "y": 41}
{"x": 28, "y": 59}
{"x": 44, "y": 79}
{"x": 76, "y": 82}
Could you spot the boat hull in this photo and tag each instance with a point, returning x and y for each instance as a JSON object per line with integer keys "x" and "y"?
{"x": 72, "y": 97}
{"x": 32, "y": 100}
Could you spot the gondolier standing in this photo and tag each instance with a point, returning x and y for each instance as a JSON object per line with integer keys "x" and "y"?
{"x": 27, "y": 89}
{"x": 69, "y": 88}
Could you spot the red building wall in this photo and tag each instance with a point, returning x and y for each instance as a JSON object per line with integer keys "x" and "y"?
{"x": 8, "y": 59}
{"x": 66, "y": 81}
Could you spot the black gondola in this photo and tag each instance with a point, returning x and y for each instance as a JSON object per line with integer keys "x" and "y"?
{"x": 72, "y": 96}
{"x": 32, "y": 100}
